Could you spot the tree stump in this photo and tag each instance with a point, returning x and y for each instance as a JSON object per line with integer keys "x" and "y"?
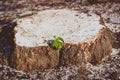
{"x": 86, "y": 39}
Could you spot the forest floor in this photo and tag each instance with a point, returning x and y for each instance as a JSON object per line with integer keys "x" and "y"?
{"x": 109, "y": 69}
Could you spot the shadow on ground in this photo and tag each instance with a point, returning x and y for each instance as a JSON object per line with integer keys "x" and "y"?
{"x": 117, "y": 44}
{"x": 6, "y": 40}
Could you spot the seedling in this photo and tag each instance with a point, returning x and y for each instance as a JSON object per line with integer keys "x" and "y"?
{"x": 57, "y": 43}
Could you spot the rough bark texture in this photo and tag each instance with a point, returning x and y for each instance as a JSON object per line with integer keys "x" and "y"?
{"x": 44, "y": 57}
{"x": 28, "y": 59}
{"x": 92, "y": 51}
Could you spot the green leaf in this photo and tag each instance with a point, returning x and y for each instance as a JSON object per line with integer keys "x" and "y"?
{"x": 59, "y": 45}
{"x": 57, "y": 42}
{"x": 60, "y": 39}
{"x": 54, "y": 44}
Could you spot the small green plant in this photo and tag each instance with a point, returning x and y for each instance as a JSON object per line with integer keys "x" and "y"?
{"x": 57, "y": 43}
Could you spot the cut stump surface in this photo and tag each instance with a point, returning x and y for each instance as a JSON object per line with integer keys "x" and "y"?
{"x": 85, "y": 40}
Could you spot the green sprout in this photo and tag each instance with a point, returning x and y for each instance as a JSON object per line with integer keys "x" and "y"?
{"x": 57, "y": 43}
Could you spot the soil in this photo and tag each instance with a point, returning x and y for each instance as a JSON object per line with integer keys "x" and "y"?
{"x": 109, "y": 69}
